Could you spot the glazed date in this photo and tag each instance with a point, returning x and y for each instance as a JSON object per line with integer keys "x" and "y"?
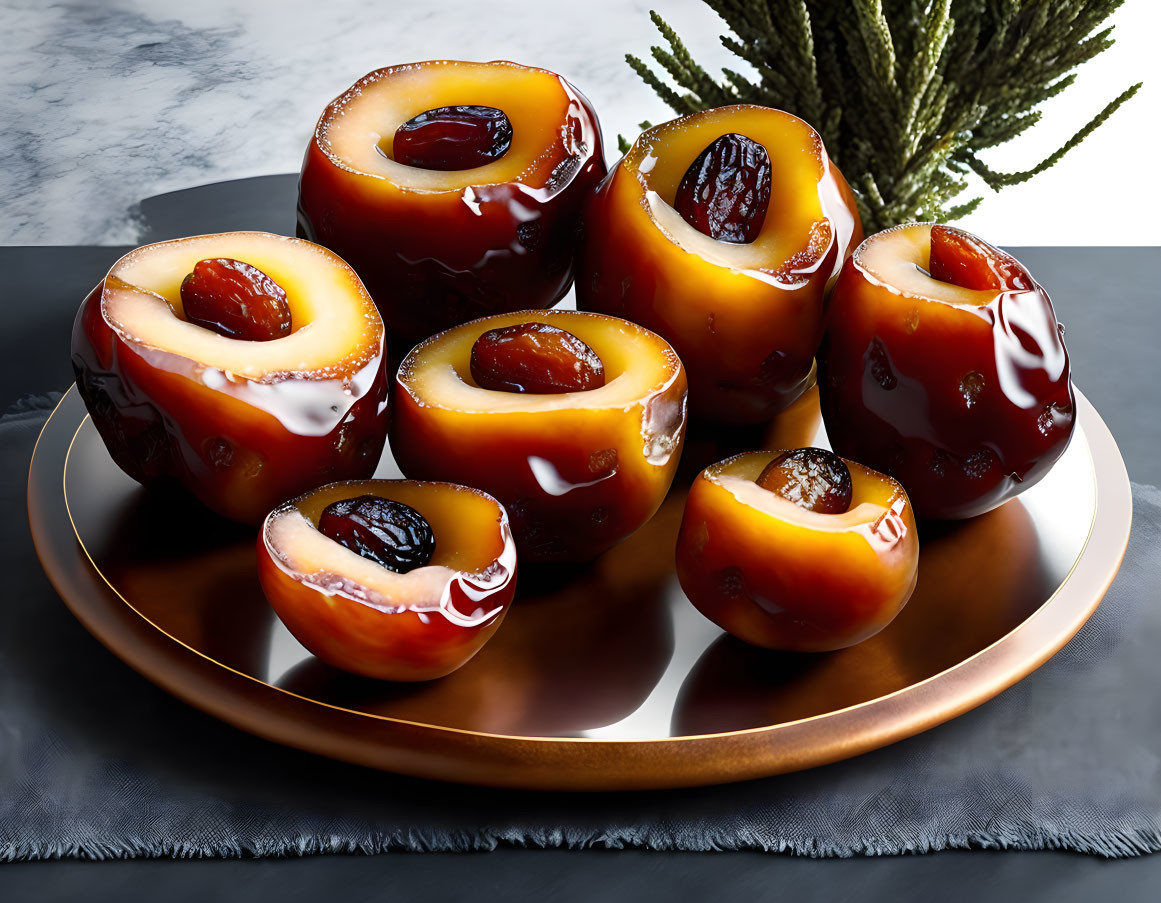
{"x": 450, "y": 138}
{"x": 536, "y": 359}
{"x": 813, "y": 478}
{"x": 387, "y": 532}
{"x": 236, "y": 300}
{"x": 725, "y": 192}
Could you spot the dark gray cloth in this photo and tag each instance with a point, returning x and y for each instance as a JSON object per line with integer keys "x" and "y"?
{"x": 97, "y": 762}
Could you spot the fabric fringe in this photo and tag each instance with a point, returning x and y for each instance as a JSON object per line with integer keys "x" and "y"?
{"x": 1118, "y": 844}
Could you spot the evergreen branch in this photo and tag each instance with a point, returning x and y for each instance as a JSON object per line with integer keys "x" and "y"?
{"x": 997, "y": 180}
{"x": 961, "y": 210}
{"x": 663, "y": 91}
{"x": 905, "y": 93}
{"x": 683, "y": 64}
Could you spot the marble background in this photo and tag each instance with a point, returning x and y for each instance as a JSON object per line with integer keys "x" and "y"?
{"x": 105, "y": 103}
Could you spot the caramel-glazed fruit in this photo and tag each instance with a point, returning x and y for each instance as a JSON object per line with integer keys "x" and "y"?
{"x": 361, "y": 616}
{"x": 720, "y": 231}
{"x": 784, "y": 573}
{"x": 437, "y": 244}
{"x": 577, "y": 470}
{"x": 277, "y": 384}
{"x": 944, "y": 366}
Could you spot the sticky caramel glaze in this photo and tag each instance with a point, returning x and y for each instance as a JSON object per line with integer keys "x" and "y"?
{"x": 363, "y": 618}
{"x": 778, "y": 576}
{"x": 744, "y": 318}
{"x": 577, "y": 471}
{"x": 962, "y": 395}
{"x": 241, "y": 425}
{"x": 439, "y": 248}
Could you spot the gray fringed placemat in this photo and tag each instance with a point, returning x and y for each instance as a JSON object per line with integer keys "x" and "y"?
{"x": 97, "y": 762}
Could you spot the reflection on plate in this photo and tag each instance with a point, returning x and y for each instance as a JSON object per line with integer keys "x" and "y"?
{"x": 977, "y": 582}
{"x": 602, "y": 676}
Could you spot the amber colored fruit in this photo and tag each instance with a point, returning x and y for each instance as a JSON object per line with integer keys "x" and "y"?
{"x": 578, "y": 471}
{"x": 745, "y": 319}
{"x": 242, "y": 425}
{"x": 451, "y": 138}
{"x": 535, "y": 358}
{"x": 370, "y": 620}
{"x": 438, "y": 248}
{"x": 236, "y": 300}
{"x": 780, "y": 576}
{"x": 726, "y": 190}
{"x": 944, "y": 366}
{"x": 386, "y": 532}
{"x": 813, "y": 478}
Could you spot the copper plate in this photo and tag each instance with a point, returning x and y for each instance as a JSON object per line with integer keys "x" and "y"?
{"x": 602, "y": 677}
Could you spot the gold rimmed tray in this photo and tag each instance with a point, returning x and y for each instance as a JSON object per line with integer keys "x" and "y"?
{"x": 602, "y": 677}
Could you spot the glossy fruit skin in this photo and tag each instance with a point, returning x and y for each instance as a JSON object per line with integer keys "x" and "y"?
{"x": 577, "y": 474}
{"x": 726, "y": 191}
{"x": 745, "y": 319}
{"x": 431, "y": 628}
{"x": 451, "y": 138}
{"x": 434, "y": 259}
{"x": 234, "y": 445}
{"x": 236, "y": 300}
{"x": 800, "y": 582}
{"x": 535, "y": 358}
{"x": 966, "y": 406}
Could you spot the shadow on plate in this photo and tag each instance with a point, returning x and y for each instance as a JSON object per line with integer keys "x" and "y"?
{"x": 978, "y": 580}
{"x": 188, "y": 571}
{"x": 581, "y": 648}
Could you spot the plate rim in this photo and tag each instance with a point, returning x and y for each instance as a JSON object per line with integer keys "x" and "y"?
{"x": 608, "y": 764}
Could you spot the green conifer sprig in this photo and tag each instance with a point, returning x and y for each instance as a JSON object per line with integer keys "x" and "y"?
{"x": 905, "y": 93}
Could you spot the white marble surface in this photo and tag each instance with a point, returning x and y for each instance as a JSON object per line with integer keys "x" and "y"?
{"x": 104, "y": 103}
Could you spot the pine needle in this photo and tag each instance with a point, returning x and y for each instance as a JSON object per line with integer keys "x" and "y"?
{"x": 905, "y": 93}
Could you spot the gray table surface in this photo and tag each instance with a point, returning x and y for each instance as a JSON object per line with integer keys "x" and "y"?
{"x": 1111, "y": 305}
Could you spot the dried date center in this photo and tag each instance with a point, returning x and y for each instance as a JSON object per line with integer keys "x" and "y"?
{"x": 236, "y": 300}
{"x": 962, "y": 259}
{"x": 387, "y": 532}
{"x": 536, "y": 359}
{"x": 813, "y": 478}
{"x": 725, "y": 193}
{"x": 452, "y": 138}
